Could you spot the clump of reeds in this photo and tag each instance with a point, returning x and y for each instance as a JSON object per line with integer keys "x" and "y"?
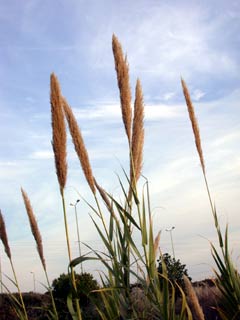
{"x": 118, "y": 238}
{"x": 4, "y": 238}
{"x": 38, "y": 238}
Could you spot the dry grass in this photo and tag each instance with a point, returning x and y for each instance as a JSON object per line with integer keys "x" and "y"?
{"x": 194, "y": 123}
{"x": 79, "y": 145}
{"x": 59, "y": 137}
{"x": 3, "y": 236}
{"x": 137, "y": 133}
{"x": 193, "y": 300}
{"x": 210, "y": 296}
{"x": 34, "y": 227}
{"x": 121, "y": 67}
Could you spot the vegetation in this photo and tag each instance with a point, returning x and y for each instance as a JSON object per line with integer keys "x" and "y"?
{"x": 85, "y": 285}
{"x": 175, "y": 270}
{"x": 119, "y": 223}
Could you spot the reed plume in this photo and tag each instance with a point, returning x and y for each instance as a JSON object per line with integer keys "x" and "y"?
{"x": 194, "y": 123}
{"x": 59, "y": 137}
{"x": 37, "y": 236}
{"x": 34, "y": 227}
{"x": 156, "y": 243}
{"x": 79, "y": 145}
{"x": 137, "y": 134}
{"x": 193, "y": 300}
{"x": 121, "y": 67}
{"x": 3, "y": 236}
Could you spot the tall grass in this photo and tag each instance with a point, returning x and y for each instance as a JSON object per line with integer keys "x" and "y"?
{"x": 120, "y": 222}
{"x": 59, "y": 139}
{"x": 228, "y": 277}
{"x": 127, "y": 220}
{"x": 38, "y": 238}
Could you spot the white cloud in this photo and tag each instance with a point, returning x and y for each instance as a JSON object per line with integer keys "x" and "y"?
{"x": 43, "y": 154}
{"x": 227, "y": 138}
{"x": 169, "y": 95}
{"x": 197, "y": 94}
{"x": 156, "y": 112}
{"x": 113, "y": 112}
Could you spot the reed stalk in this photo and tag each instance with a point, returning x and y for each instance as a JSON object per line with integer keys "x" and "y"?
{"x": 38, "y": 238}
{"x": 4, "y": 238}
{"x": 59, "y": 142}
{"x": 228, "y": 279}
{"x": 196, "y": 133}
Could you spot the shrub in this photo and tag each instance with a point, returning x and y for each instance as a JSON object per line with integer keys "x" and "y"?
{"x": 175, "y": 270}
{"x": 62, "y": 287}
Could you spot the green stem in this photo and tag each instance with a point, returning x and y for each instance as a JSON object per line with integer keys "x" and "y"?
{"x": 214, "y": 215}
{"x": 69, "y": 256}
{"x": 51, "y": 294}
{"x": 19, "y": 291}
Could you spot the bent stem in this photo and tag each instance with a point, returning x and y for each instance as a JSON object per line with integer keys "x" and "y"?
{"x": 19, "y": 291}
{"x": 79, "y": 316}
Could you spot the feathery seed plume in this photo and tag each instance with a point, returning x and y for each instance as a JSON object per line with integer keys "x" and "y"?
{"x": 121, "y": 67}
{"x": 138, "y": 132}
{"x": 59, "y": 137}
{"x": 3, "y": 236}
{"x": 79, "y": 144}
{"x": 34, "y": 227}
{"x": 193, "y": 300}
{"x": 194, "y": 123}
{"x": 156, "y": 242}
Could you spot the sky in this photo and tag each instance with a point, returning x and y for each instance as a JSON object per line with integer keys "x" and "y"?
{"x": 164, "y": 41}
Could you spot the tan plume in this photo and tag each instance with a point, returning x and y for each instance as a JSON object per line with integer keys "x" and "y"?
{"x": 59, "y": 137}
{"x": 194, "y": 123}
{"x": 34, "y": 227}
{"x": 121, "y": 67}
{"x": 79, "y": 145}
{"x": 193, "y": 300}
{"x": 156, "y": 242}
{"x": 3, "y": 236}
{"x": 137, "y": 133}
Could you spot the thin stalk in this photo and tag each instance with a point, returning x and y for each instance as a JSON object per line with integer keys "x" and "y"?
{"x": 19, "y": 291}
{"x": 69, "y": 255}
{"x": 51, "y": 294}
{"x": 214, "y": 215}
{"x": 78, "y": 235}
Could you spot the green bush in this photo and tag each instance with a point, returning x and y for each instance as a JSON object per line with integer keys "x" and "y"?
{"x": 175, "y": 270}
{"x": 62, "y": 287}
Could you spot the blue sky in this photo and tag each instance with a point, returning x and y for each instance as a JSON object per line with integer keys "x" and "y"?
{"x": 164, "y": 40}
